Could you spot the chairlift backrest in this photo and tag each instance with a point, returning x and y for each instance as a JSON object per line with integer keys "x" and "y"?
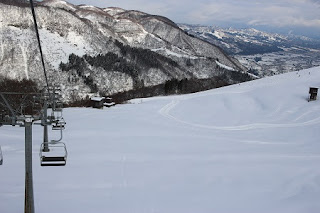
{"x": 59, "y": 125}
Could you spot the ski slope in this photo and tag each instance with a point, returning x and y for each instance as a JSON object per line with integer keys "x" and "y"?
{"x": 252, "y": 147}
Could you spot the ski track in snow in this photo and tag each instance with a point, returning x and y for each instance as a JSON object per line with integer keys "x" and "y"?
{"x": 166, "y": 112}
{"x": 311, "y": 111}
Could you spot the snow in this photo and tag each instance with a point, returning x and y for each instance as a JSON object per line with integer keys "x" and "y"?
{"x": 90, "y": 7}
{"x": 109, "y": 104}
{"x": 217, "y": 34}
{"x": 113, "y": 10}
{"x": 60, "y": 4}
{"x": 24, "y": 56}
{"x": 97, "y": 98}
{"x": 251, "y": 147}
{"x": 136, "y": 38}
{"x": 59, "y": 48}
{"x": 171, "y": 53}
{"x": 291, "y": 59}
{"x": 225, "y": 66}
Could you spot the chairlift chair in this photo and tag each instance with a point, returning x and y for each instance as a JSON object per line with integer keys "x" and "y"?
{"x": 54, "y": 153}
{"x": 56, "y": 113}
{"x": 57, "y": 155}
{"x": 59, "y": 125}
{"x": 58, "y": 108}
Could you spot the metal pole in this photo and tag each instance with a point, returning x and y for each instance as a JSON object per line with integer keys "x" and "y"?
{"x": 45, "y": 127}
{"x": 28, "y": 200}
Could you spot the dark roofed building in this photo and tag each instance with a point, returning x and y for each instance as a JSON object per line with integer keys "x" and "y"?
{"x": 313, "y": 91}
{"x": 97, "y": 102}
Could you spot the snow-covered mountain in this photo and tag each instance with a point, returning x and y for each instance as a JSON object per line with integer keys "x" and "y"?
{"x": 107, "y": 50}
{"x": 248, "y": 41}
{"x": 263, "y": 53}
{"x": 251, "y": 147}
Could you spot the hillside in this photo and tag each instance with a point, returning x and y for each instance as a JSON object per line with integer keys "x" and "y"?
{"x": 250, "y": 147}
{"x": 94, "y": 50}
{"x": 264, "y": 53}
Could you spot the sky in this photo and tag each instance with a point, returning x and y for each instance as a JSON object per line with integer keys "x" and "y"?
{"x": 283, "y": 16}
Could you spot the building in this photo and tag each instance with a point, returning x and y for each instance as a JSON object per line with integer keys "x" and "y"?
{"x": 109, "y": 102}
{"x": 313, "y": 91}
{"x": 97, "y": 102}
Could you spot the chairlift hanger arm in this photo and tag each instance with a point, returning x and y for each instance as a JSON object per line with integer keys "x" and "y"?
{"x": 60, "y": 139}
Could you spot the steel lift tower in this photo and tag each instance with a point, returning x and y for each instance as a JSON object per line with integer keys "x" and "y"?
{"x": 24, "y": 110}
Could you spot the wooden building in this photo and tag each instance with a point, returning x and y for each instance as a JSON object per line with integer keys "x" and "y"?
{"x": 313, "y": 91}
{"x": 109, "y": 102}
{"x": 97, "y": 102}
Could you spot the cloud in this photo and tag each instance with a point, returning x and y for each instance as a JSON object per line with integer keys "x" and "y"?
{"x": 250, "y": 13}
{"x": 282, "y": 16}
{"x": 253, "y": 13}
{"x": 286, "y": 22}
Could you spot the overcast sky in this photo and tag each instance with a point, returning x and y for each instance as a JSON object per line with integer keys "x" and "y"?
{"x": 297, "y": 16}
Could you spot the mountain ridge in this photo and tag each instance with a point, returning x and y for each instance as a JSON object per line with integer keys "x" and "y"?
{"x": 67, "y": 29}
{"x": 263, "y": 53}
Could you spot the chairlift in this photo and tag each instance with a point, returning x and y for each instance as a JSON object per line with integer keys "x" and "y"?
{"x": 57, "y": 155}
{"x": 54, "y": 153}
{"x": 1, "y": 157}
{"x": 59, "y": 125}
{"x": 56, "y": 113}
{"x": 58, "y": 108}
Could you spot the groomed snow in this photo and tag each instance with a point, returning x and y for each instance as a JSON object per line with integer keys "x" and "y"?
{"x": 252, "y": 147}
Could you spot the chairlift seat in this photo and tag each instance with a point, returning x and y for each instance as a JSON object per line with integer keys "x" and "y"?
{"x": 58, "y": 127}
{"x": 50, "y": 159}
{"x": 57, "y": 155}
{"x": 53, "y": 161}
{"x": 58, "y": 109}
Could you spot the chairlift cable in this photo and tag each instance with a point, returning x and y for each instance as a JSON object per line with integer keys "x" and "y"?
{"x": 39, "y": 42}
{"x": 45, "y": 160}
